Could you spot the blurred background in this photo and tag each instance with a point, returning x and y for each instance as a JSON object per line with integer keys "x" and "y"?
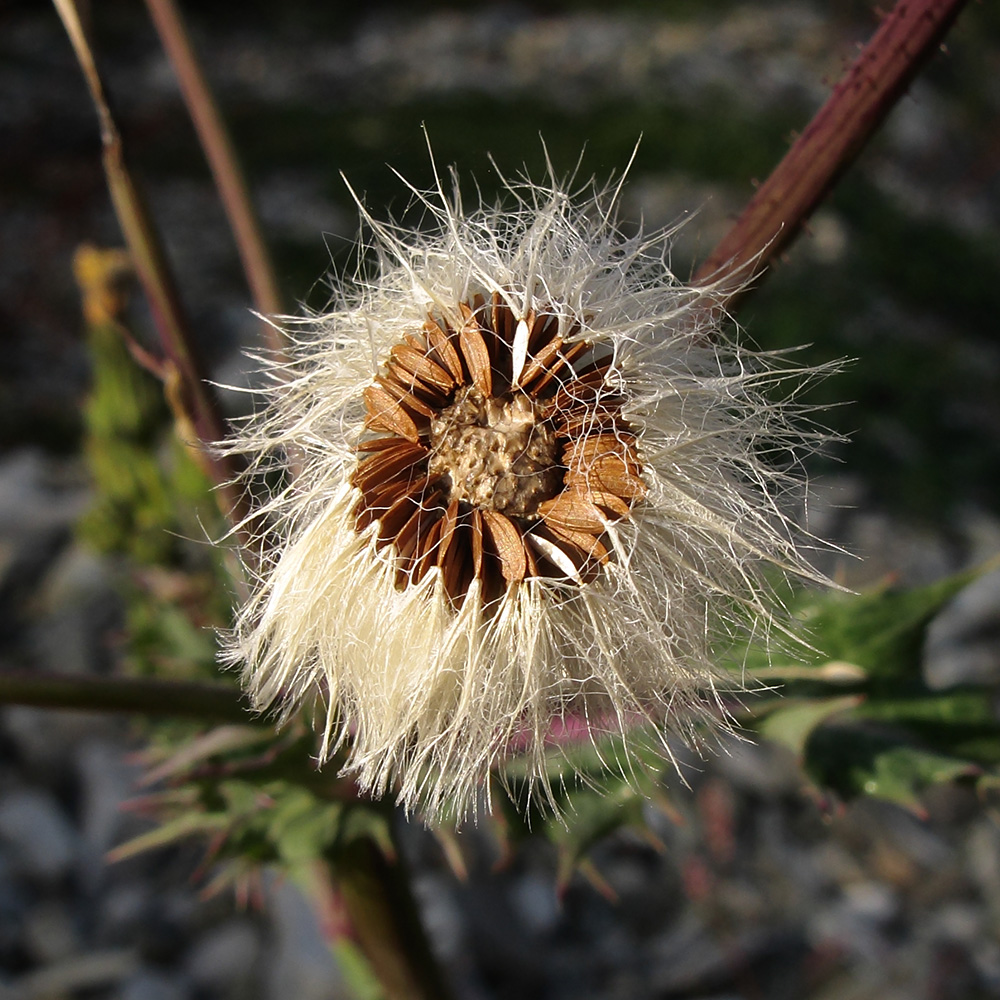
{"x": 756, "y": 890}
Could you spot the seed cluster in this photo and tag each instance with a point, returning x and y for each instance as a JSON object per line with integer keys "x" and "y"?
{"x": 492, "y": 456}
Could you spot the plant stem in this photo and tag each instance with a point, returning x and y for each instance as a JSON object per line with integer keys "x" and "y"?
{"x": 868, "y": 91}
{"x": 375, "y": 892}
{"x": 222, "y": 160}
{"x": 218, "y": 702}
{"x": 193, "y": 402}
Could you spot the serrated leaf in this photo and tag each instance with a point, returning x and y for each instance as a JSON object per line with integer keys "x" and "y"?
{"x": 832, "y": 672}
{"x": 602, "y": 767}
{"x": 244, "y": 798}
{"x": 222, "y": 740}
{"x": 960, "y": 723}
{"x": 604, "y": 754}
{"x": 366, "y": 820}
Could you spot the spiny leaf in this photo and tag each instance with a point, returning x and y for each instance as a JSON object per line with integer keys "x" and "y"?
{"x": 366, "y": 821}
{"x": 866, "y": 760}
{"x": 303, "y": 828}
{"x": 188, "y": 824}
{"x": 590, "y": 817}
{"x": 224, "y": 739}
{"x": 881, "y": 631}
{"x": 793, "y": 722}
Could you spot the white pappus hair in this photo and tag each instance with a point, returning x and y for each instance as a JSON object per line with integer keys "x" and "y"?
{"x": 429, "y": 684}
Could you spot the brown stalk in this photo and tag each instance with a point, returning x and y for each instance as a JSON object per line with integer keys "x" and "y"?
{"x": 907, "y": 37}
{"x": 223, "y": 161}
{"x": 194, "y": 404}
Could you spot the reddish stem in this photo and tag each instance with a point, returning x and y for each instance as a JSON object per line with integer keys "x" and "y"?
{"x": 222, "y": 160}
{"x": 861, "y": 100}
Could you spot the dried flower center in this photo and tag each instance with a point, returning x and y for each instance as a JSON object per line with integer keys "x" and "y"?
{"x": 497, "y": 454}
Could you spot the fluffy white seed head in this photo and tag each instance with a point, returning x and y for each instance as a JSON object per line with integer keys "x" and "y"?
{"x": 431, "y": 678}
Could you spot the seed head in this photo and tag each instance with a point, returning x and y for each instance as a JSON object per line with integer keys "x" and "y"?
{"x": 534, "y": 486}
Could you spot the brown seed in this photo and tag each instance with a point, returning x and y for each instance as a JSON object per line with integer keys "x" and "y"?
{"x": 563, "y": 361}
{"x": 386, "y": 414}
{"x": 421, "y": 367}
{"x": 503, "y": 319}
{"x": 598, "y": 419}
{"x": 543, "y": 327}
{"x": 387, "y": 465}
{"x": 540, "y": 361}
{"x": 476, "y": 525}
{"x": 396, "y": 518}
{"x": 612, "y": 504}
{"x": 426, "y": 552}
{"x": 504, "y": 540}
{"x": 559, "y": 557}
{"x": 582, "y": 390}
{"x": 428, "y": 510}
{"x": 403, "y": 391}
{"x": 600, "y": 474}
{"x": 574, "y": 510}
{"x": 456, "y": 567}
{"x": 444, "y": 351}
{"x": 448, "y": 525}
{"x": 379, "y": 443}
{"x": 580, "y": 541}
{"x": 477, "y": 357}
{"x": 414, "y": 387}
{"x": 585, "y": 450}
{"x": 609, "y": 474}
{"x": 377, "y": 501}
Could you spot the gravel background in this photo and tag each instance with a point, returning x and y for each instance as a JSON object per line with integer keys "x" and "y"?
{"x": 755, "y": 892}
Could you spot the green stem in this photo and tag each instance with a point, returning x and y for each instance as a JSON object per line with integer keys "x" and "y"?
{"x": 375, "y": 892}
{"x": 217, "y": 702}
{"x": 222, "y": 159}
{"x": 868, "y": 91}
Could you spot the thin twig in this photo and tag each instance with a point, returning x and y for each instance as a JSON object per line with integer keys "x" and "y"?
{"x": 179, "y": 699}
{"x": 869, "y": 90}
{"x": 192, "y": 399}
{"x": 223, "y": 161}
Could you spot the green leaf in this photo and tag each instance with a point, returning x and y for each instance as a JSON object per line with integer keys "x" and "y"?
{"x": 900, "y": 773}
{"x": 221, "y": 740}
{"x": 366, "y": 821}
{"x": 881, "y": 631}
{"x": 961, "y": 723}
{"x": 893, "y": 736}
{"x": 794, "y": 721}
{"x": 865, "y": 759}
{"x": 590, "y": 816}
{"x": 302, "y": 828}
{"x": 188, "y": 824}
